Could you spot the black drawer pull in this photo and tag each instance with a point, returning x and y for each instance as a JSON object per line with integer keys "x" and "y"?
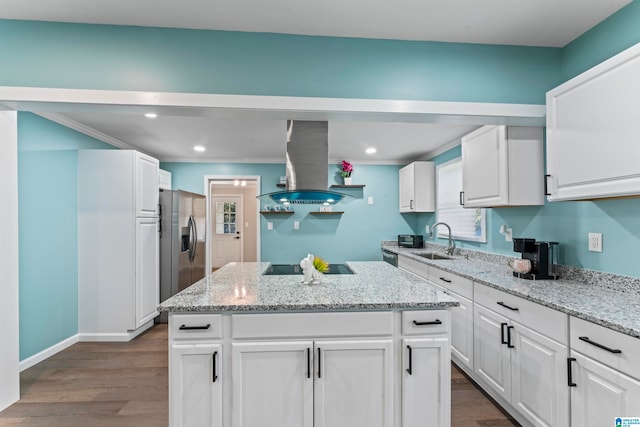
{"x": 319, "y": 363}
{"x": 462, "y": 198}
{"x": 445, "y": 280}
{"x": 308, "y": 362}
{"x": 410, "y": 368}
{"x": 604, "y": 347}
{"x": 570, "y": 382}
{"x": 194, "y": 328}
{"x": 546, "y": 188}
{"x": 506, "y": 306}
{"x": 432, "y": 322}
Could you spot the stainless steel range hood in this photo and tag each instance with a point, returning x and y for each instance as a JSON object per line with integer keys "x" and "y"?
{"x": 307, "y": 162}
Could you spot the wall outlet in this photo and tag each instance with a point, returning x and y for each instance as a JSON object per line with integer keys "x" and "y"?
{"x": 296, "y": 225}
{"x": 370, "y": 200}
{"x": 269, "y": 226}
{"x": 595, "y": 242}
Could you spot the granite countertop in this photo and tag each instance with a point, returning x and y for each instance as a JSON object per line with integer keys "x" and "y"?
{"x": 617, "y": 309}
{"x": 241, "y": 287}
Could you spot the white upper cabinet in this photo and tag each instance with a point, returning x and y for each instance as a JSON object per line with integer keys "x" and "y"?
{"x": 164, "y": 179}
{"x": 592, "y": 132}
{"x": 502, "y": 166}
{"x": 417, "y": 187}
{"x": 146, "y": 168}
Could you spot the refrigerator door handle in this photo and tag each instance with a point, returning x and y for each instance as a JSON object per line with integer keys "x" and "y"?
{"x": 195, "y": 238}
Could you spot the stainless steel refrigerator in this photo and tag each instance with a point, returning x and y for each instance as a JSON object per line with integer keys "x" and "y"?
{"x": 182, "y": 241}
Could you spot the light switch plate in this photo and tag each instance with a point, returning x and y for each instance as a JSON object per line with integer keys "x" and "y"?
{"x": 296, "y": 225}
{"x": 269, "y": 226}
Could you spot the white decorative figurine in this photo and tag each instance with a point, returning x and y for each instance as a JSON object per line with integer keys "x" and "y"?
{"x": 311, "y": 275}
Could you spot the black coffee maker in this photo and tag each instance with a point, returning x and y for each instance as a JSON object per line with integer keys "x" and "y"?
{"x": 543, "y": 257}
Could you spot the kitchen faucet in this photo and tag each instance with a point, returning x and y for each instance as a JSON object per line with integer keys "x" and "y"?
{"x": 452, "y": 245}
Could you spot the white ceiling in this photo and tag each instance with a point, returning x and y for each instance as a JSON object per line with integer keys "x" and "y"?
{"x": 552, "y": 23}
{"x": 256, "y": 138}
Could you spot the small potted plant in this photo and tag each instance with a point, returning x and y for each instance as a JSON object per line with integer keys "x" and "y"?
{"x": 346, "y": 169}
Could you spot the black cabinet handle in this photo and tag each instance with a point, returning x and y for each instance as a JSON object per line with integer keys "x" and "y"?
{"x": 431, "y": 322}
{"x": 502, "y": 340}
{"x": 509, "y": 328}
{"x": 410, "y": 350}
{"x": 319, "y": 363}
{"x": 546, "y": 188}
{"x": 462, "y": 198}
{"x": 215, "y": 372}
{"x": 506, "y": 306}
{"x": 194, "y": 328}
{"x": 445, "y": 280}
{"x": 570, "y": 382}
{"x": 308, "y": 362}
{"x": 604, "y": 347}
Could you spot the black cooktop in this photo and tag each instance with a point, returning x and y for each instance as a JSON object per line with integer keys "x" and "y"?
{"x": 291, "y": 269}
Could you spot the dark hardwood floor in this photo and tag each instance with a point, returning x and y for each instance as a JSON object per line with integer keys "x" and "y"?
{"x": 125, "y": 384}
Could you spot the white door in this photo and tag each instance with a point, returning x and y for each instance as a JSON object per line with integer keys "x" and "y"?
{"x": 353, "y": 383}
{"x": 485, "y": 167}
{"x": 491, "y": 355}
{"x": 407, "y": 188}
{"x": 195, "y": 399}
{"x": 426, "y": 383}
{"x": 462, "y": 332}
{"x": 601, "y": 394}
{"x": 147, "y": 269}
{"x": 539, "y": 378}
{"x": 272, "y": 384}
{"x": 227, "y": 230}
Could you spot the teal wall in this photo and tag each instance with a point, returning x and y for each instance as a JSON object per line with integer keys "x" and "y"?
{"x": 48, "y": 231}
{"x": 617, "y": 33}
{"x": 354, "y": 236}
{"x": 174, "y": 60}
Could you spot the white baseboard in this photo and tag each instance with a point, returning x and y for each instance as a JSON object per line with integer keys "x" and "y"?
{"x": 48, "y": 352}
{"x": 114, "y": 337}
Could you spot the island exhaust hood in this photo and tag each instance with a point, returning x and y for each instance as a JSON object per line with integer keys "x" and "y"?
{"x": 307, "y": 162}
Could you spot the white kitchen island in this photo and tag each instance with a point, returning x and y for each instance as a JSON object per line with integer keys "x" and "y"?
{"x": 369, "y": 349}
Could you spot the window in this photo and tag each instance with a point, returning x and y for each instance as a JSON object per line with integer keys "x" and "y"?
{"x": 466, "y": 224}
{"x": 225, "y": 217}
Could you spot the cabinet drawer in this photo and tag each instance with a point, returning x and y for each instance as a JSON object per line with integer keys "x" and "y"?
{"x": 547, "y": 321}
{"x": 425, "y": 322}
{"x": 311, "y": 325}
{"x": 457, "y": 284}
{"x": 195, "y": 326}
{"x": 416, "y": 267}
{"x": 626, "y": 361}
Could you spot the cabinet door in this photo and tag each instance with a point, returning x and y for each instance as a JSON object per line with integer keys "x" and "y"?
{"x": 147, "y": 269}
{"x": 492, "y": 358}
{"x": 485, "y": 167}
{"x": 601, "y": 394}
{"x": 195, "y": 391}
{"x": 272, "y": 384}
{"x": 426, "y": 383}
{"x": 462, "y": 331}
{"x": 592, "y": 131}
{"x": 539, "y": 379}
{"x": 146, "y": 175}
{"x": 354, "y": 384}
{"x": 407, "y": 188}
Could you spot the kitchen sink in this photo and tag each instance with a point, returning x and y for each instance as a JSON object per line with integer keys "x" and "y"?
{"x": 431, "y": 255}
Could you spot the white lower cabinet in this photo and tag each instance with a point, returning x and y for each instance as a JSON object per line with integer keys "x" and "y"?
{"x": 272, "y": 384}
{"x": 604, "y": 374}
{"x": 462, "y": 332}
{"x": 517, "y": 361}
{"x": 195, "y": 392}
{"x": 424, "y": 403}
{"x": 310, "y": 369}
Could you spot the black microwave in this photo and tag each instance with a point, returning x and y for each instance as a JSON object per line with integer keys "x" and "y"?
{"x": 410, "y": 241}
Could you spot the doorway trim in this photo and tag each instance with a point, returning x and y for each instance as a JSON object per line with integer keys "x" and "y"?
{"x": 207, "y": 191}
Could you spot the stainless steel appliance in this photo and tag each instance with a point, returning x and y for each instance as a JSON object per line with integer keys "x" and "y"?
{"x": 390, "y": 257}
{"x": 543, "y": 257}
{"x": 410, "y": 241}
{"x": 182, "y": 241}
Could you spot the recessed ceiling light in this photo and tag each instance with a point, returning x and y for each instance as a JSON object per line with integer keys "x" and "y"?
{"x": 370, "y": 150}
{"x": 150, "y": 115}
{"x": 198, "y": 148}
